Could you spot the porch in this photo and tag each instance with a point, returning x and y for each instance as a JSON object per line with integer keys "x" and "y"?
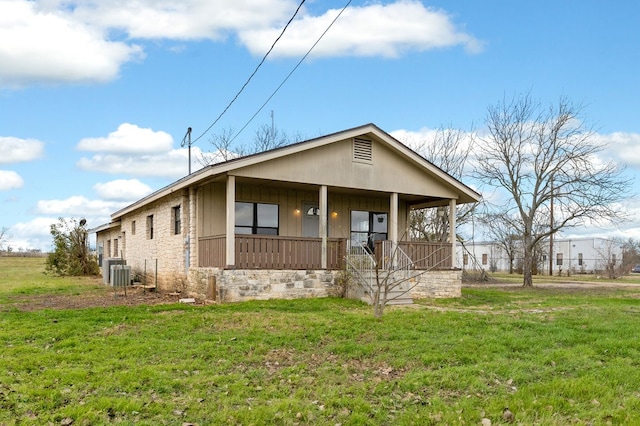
{"x": 300, "y": 253}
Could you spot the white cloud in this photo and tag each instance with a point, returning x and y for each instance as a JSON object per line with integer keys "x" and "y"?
{"x": 129, "y": 139}
{"x": 78, "y": 206}
{"x": 172, "y": 164}
{"x": 16, "y": 150}
{"x": 35, "y": 234}
{"x": 622, "y": 147}
{"x": 50, "y": 46}
{"x": 10, "y": 180}
{"x": 69, "y": 41}
{"x": 122, "y": 190}
{"x": 183, "y": 20}
{"x": 387, "y": 30}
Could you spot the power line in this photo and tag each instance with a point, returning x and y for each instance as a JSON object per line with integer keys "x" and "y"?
{"x": 252, "y": 74}
{"x": 292, "y": 71}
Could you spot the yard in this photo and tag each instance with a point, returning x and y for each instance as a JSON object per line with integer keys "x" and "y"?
{"x": 73, "y": 353}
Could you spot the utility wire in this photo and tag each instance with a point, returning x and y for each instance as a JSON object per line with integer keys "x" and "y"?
{"x": 292, "y": 71}
{"x": 252, "y": 74}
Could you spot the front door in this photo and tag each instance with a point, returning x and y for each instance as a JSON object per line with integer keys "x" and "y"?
{"x": 310, "y": 220}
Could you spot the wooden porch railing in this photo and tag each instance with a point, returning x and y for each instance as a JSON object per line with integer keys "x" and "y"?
{"x": 424, "y": 255}
{"x": 277, "y": 252}
{"x": 272, "y": 252}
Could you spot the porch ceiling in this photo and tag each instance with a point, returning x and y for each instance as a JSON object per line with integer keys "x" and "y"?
{"x": 415, "y": 201}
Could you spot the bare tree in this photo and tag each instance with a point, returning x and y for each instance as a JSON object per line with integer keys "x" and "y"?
{"x": 609, "y": 260}
{"x": 222, "y": 148}
{"x": 630, "y": 254}
{"x": 266, "y": 137}
{"x": 389, "y": 275}
{"x": 4, "y": 237}
{"x": 545, "y": 160}
{"x": 449, "y": 150}
{"x": 503, "y": 229}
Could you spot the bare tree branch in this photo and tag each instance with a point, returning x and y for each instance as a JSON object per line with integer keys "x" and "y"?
{"x": 538, "y": 155}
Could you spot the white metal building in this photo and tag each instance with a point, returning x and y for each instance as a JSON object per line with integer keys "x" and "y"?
{"x": 577, "y": 255}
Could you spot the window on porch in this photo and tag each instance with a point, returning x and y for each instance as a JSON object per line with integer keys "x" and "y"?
{"x": 368, "y": 227}
{"x": 257, "y": 218}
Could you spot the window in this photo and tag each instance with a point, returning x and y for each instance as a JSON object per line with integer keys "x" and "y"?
{"x": 465, "y": 259}
{"x": 150, "y": 227}
{"x": 133, "y": 227}
{"x": 559, "y": 259}
{"x": 115, "y": 247}
{"x": 108, "y": 253}
{"x": 579, "y": 259}
{"x": 485, "y": 258}
{"x": 368, "y": 227}
{"x": 257, "y": 218}
{"x": 176, "y": 219}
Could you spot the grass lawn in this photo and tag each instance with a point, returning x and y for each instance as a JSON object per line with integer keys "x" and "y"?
{"x": 553, "y": 356}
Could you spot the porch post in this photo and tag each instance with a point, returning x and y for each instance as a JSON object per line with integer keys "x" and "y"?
{"x": 231, "y": 221}
{"x": 193, "y": 229}
{"x": 452, "y": 232}
{"x": 393, "y": 219}
{"x": 393, "y": 227}
{"x": 322, "y": 204}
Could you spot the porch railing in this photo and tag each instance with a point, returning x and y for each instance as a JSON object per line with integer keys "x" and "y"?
{"x": 272, "y": 252}
{"x": 277, "y": 252}
{"x": 427, "y": 255}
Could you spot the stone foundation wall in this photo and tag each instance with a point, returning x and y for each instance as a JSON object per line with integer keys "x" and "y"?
{"x": 242, "y": 285}
{"x": 438, "y": 284}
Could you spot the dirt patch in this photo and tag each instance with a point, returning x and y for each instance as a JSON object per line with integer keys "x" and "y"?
{"x": 103, "y": 297}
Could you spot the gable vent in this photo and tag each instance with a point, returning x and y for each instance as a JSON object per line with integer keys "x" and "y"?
{"x": 362, "y": 150}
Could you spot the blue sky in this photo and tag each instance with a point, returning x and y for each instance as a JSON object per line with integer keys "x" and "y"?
{"x": 95, "y": 97}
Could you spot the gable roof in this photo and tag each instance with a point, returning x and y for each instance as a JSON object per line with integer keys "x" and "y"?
{"x": 465, "y": 193}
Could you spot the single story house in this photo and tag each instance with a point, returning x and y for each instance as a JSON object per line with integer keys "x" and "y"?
{"x": 278, "y": 224}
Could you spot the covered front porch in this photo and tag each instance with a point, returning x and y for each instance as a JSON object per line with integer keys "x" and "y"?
{"x": 301, "y": 253}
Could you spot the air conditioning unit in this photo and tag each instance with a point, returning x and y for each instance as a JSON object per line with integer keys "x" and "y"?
{"x": 120, "y": 275}
{"x": 107, "y": 262}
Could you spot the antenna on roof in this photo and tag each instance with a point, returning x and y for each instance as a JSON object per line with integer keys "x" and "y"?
{"x": 187, "y": 140}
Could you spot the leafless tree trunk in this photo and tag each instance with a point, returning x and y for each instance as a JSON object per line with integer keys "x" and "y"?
{"x": 535, "y": 155}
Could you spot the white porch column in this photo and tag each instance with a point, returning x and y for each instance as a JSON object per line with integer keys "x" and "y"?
{"x": 393, "y": 219}
{"x": 323, "y": 205}
{"x": 452, "y": 231}
{"x": 393, "y": 227}
{"x": 231, "y": 221}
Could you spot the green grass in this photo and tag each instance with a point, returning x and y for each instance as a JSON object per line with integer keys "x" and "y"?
{"x": 24, "y": 276}
{"x": 554, "y": 357}
{"x": 503, "y": 277}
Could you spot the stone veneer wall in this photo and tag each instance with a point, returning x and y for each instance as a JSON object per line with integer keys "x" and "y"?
{"x": 166, "y": 246}
{"x": 242, "y": 285}
{"x": 438, "y": 284}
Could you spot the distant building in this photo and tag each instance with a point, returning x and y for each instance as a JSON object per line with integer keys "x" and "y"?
{"x": 577, "y": 255}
